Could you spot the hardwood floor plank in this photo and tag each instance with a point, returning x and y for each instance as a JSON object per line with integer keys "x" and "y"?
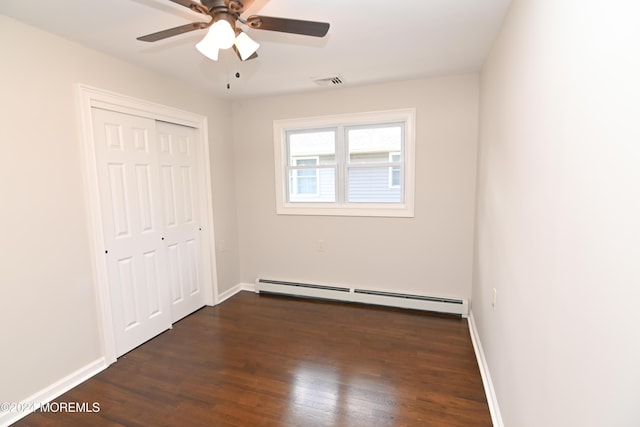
{"x": 260, "y": 360}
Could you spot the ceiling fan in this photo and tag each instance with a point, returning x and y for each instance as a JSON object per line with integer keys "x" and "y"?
{"x": 223, "y": 32}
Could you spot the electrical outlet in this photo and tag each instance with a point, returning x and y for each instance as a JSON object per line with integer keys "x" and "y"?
{"x": 493, "y": 301}
{"x": 320, "y": 245}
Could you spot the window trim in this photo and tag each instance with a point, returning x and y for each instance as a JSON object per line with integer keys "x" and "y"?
{"x": 404, "y": 209}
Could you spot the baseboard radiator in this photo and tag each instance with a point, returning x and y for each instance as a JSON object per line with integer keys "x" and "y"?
{"x": 365, "y": 296}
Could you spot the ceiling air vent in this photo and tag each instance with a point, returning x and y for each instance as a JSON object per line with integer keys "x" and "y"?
{"x": 329, "y": 81}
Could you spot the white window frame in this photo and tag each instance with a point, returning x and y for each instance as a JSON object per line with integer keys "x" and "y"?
{"x": 403, "y": 209}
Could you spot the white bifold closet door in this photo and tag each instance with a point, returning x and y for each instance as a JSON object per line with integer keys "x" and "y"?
{"x": 148, "y": 183}
{"x": 179, "y": 179}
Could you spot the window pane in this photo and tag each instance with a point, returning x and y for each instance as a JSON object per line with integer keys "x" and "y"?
{"x": 311, "y": 185}
{"x": 306, "y": 180}
{"x": 374, "y": 144}
{"x": 371, "y": 185}
{"x": 319, "y": 144}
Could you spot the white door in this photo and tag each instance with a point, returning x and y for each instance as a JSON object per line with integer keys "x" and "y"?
{"x": 177, "y": 154}
{"x": 130, "y": 194}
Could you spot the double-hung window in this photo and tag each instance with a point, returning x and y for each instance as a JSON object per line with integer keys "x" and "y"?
{"x": 356, "y": 164}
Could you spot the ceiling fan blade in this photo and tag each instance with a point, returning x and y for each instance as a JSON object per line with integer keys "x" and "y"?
{"x": 196, "y": 7}
{"x": 284, "y": 25}
{"x": 173, "y": 31}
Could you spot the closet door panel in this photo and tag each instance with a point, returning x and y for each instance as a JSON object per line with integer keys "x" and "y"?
{"x": 133, "y": 226}
{"x": 178, "y": 162}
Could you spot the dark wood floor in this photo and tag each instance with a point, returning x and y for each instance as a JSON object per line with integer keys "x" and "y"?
{"x": 275, "y": 361}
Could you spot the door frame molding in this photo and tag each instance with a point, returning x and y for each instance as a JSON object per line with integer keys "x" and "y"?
{"x": 90, "y": 97}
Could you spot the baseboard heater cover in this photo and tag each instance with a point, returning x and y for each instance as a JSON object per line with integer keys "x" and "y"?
{"x": 365, "y": 296}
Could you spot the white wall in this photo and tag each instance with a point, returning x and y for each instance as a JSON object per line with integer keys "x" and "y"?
{"x": 558, "y": 214}
{"x": 431, "y": 253}
{"x": 48, "y": 317}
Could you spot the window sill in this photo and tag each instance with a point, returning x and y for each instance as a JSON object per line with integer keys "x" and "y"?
{"x": 372, "y": 210}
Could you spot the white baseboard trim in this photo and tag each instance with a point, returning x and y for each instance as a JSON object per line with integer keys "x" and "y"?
{"x": 492, "y": 400}
{"x": 51, "y": 392}
{"x": 229, "y": 293}
{"x": 237, "y": 288}
{"x": 251, "y": 287}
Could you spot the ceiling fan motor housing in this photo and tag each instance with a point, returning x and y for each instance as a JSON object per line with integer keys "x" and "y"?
{"x": 233, "y": 6}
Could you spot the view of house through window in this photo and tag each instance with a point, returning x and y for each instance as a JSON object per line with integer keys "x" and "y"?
{"x": 305, "y": 181}
{"x": 370, "y": 149}
{"x": 345, "y": 165}
{"x": 312, "y": 166}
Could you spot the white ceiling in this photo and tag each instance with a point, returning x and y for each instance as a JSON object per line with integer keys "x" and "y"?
{"x": 369, "y": 41}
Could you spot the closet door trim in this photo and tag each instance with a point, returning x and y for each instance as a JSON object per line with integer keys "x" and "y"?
{"x": 90, "y": 97}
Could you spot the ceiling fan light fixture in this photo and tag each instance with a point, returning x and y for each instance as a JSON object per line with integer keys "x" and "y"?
{"x": 245, "y": 45}
{"x": 209, "y": 50}
{"x": 223, "y": 34}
